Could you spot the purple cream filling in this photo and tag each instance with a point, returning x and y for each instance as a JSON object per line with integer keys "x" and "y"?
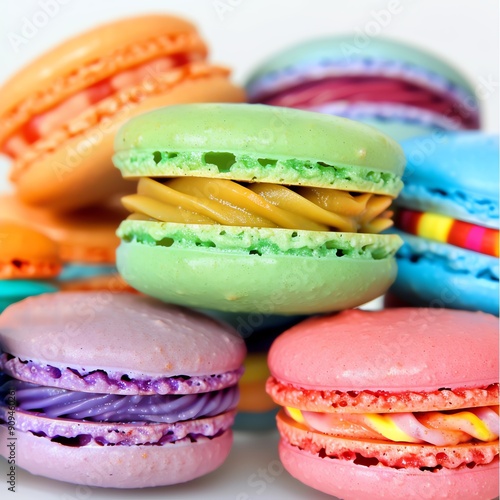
{"x": 108, "y": 382}
{"x": 53, "y": 402}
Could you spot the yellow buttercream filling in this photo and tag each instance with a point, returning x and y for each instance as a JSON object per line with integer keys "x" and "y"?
{"x": 194, "y": 200}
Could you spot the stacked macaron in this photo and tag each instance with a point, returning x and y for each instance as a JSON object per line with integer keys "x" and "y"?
{"x": 257, "y": 209}
{"x": 256, "y": 410}
{"x": 29, "y": 262}
{"x": 59, "y": 114}
{"x": 448, "y": 218}
{"x": 248, "y": 211}
{"x": 398, "y": 88}
{"x": 257, "y": 214}
{"x": 57, "y": 122}
{"x": 85, "y": 241}
{"x": 401, "y": 403}
{"x": 117, "y": 390}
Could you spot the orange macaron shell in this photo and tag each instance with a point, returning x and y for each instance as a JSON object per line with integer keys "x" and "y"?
{"x": 86, "y": 236}
{"x": 109, "y": 283}
{"x": 74, "y": 172}
{"x": 90, "y": 57}
{"x": 378, "y": 404}
{"x": 26, "y": 253}
{"x": 60, "y": 133}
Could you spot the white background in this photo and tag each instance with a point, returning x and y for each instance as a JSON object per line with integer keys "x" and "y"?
{"x": 241, "y": 34}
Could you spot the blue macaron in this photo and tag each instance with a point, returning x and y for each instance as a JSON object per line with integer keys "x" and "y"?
{"x": 398, "y": 88}
{"x": 448, "y": 218}
{"x": 81, "y": 271}
{"x": 15, "y": 290}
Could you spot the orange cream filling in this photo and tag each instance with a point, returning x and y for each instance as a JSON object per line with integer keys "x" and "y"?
{"x": 253, "y": 396}
{"x": 41, "y": 125}
{"x": 437, "y": 428}
{"x": 189, "y": 200}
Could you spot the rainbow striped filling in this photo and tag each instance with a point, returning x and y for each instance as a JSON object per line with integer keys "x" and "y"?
{"x": 445, "y": 229}
{"x": 437, "y": 428}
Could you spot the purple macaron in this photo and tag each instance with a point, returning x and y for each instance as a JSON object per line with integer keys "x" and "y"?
{"x": 116, "y": 390}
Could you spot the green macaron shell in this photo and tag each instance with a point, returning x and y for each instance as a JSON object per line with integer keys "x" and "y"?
{"x": 259, "y": 143}
{"x": 273, "y": 271}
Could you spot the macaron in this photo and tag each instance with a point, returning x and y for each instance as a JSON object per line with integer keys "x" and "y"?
{"x": 258, "y": 209}
{"x": 117, "y": 390}
{"x": 399, "y": 403}
{"x": 85, "y": 238}
{"x": 29, "y": 261}
{"x": 448, "y": 219}
{"x": 256, "y": 410}
{"x": 59, "y": 114}
{"x": 402, "y": 90}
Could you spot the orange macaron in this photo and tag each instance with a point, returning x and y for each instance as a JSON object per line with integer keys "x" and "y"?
{"x": 29, "y": 263}
{"x": 26, "y": 253}
{"x": 86, "y": 235}
{"x": 84, "y": 240}
{"x": 59, "y": 114}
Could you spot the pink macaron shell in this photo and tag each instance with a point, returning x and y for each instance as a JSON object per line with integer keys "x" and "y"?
{"x": 349, "y": 481}
{"x": 394, "y": 350}
{"x": 119, "y": 332}
{"x": 121, "y": 466}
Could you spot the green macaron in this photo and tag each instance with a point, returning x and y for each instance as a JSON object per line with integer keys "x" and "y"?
{"x": 250, "y": 208}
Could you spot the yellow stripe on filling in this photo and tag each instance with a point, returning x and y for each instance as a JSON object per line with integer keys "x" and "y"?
{"x": 435, "y": 227}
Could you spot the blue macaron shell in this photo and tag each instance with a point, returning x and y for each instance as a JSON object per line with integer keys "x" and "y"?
{"x": 12, "y": 291}
{"x": 434, "y": 274}
{"x": 398, "y": 128}
{"x": 252, "y": 326}
{"x": 250, "y": 421}
{"x": 454, "y": 174}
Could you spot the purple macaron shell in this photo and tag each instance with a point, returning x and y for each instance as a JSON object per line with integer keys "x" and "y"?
{"x": 121, "y": 466}
{"x": 78, "y": 433}
{"x": 100, "y": 381}
{"x": 122, "y": 334}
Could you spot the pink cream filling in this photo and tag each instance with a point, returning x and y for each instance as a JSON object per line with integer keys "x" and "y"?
{"x": 45, "y": 123}
{"x": 357, "y": 89}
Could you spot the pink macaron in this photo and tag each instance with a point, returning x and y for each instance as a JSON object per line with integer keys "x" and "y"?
{"x": 116, "y": 390}
{"x": 400, "y": 403}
